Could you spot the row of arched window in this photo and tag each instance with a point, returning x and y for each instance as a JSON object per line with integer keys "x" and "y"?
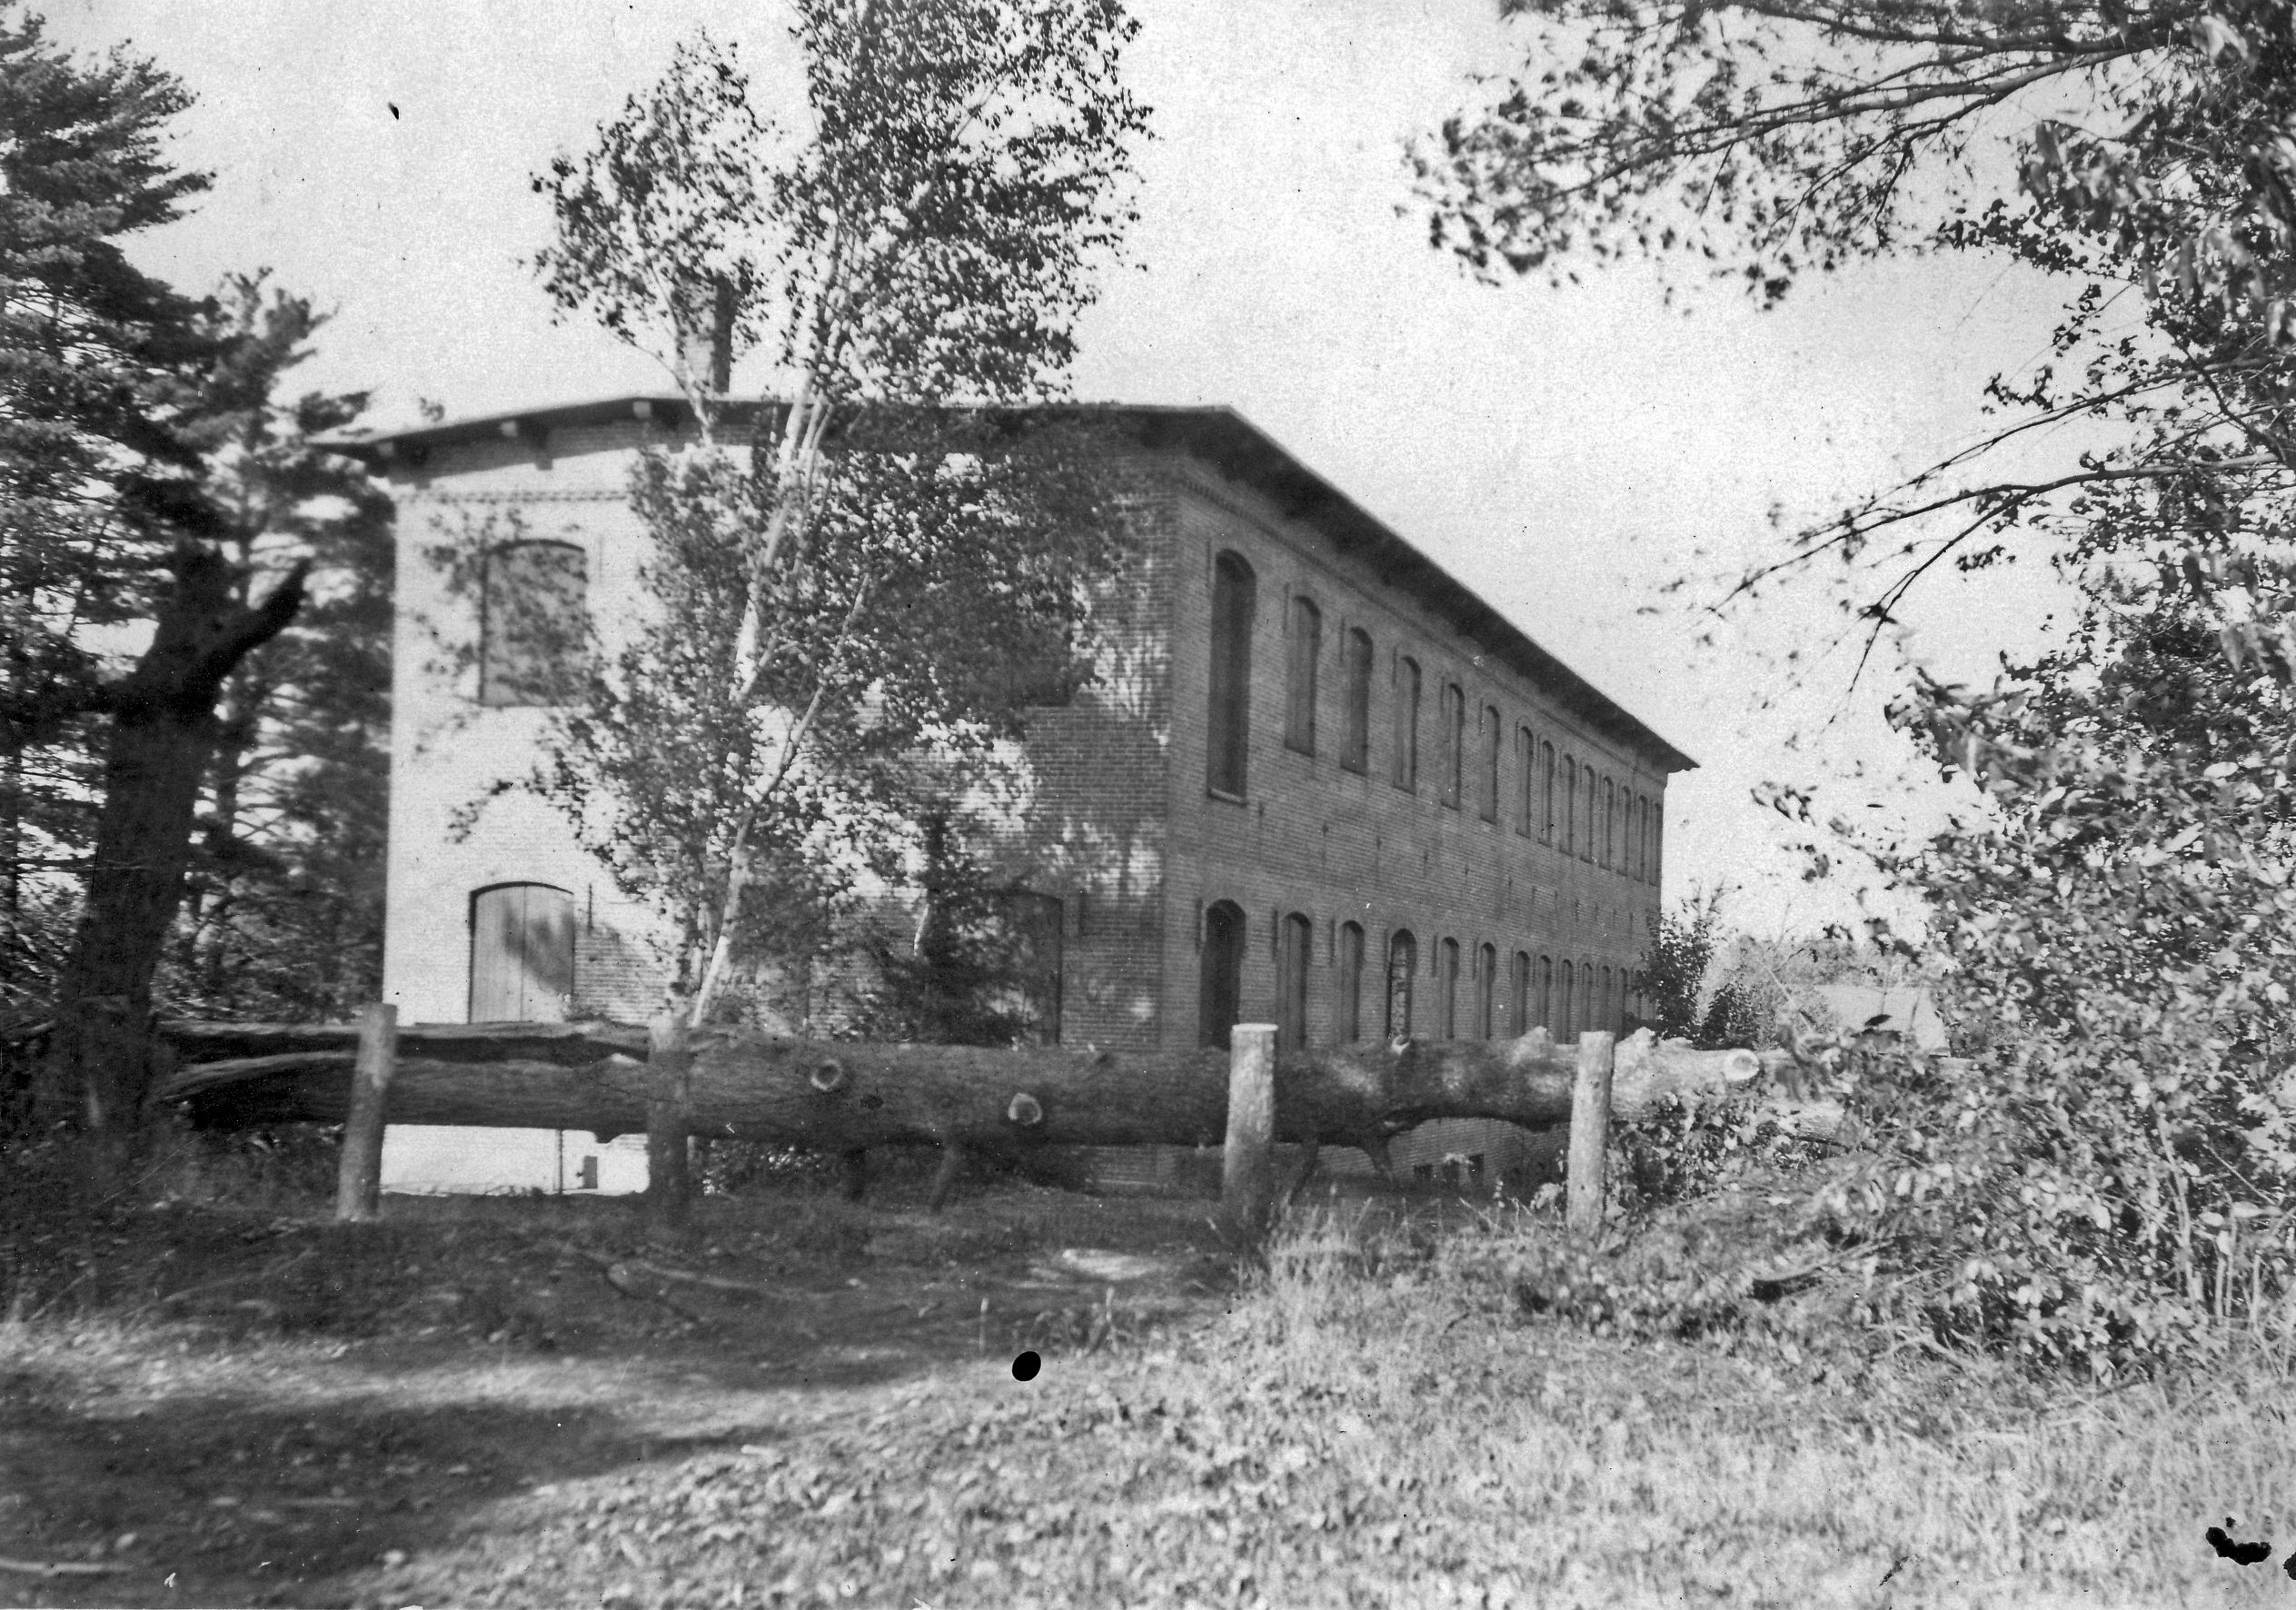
{"x": 1558, "y": 799}
{"x": 1484, "y": 993}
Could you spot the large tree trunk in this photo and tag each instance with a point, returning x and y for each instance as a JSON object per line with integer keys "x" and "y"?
{"x": 161, "y": 741}
{"x": 842, "y": 1096}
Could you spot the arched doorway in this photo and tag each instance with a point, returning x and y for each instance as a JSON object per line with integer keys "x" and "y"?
{"x": 521, "y": 953}
{"x": 1221, "y": 993}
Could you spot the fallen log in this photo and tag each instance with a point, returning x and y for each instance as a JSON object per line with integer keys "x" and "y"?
{"x": 843, "y": 1096}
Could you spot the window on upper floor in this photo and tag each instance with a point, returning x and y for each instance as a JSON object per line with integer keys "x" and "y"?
{"x": 1657, "y": 839}
{"x": 1451, "y": 758}
{"x": 1547, "y": 793}
{"x": 1570, "y": 806}
{"x": 1355, "y": 740}
{"x": 534, "y": 624}
{"x": 1489, "y": 781}
{"x": 1610, "y": 821}
{"x": 1525, "y": 781}
{"x": 1407, "y": 766}
{"x": 1228, "y": 737}
{"x": 1301, "y": 658}
{"x": 1588, "y": 823}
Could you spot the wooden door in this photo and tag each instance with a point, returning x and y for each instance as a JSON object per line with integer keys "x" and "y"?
{"x": 521, "y": 953}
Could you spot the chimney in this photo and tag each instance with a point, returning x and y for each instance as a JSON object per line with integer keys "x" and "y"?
{"x": 705, "y": 334}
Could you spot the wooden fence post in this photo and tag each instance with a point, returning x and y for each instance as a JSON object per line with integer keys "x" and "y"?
{"x": 1590, "y": 1134}
{"x": 359, "y": 1174}
{"x": 669, "y": 1102}
{"x": 1247, "y": 1165}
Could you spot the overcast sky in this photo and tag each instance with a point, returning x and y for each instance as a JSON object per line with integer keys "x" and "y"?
{"x": 1563, "y": 451}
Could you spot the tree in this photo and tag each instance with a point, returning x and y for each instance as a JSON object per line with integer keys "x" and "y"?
{"x": 283, "y": 911}
{"x": 1675, "y": 964}
{"x": 113, "y": 392}
{"x": 857, "y": 613}
{"x": 2102, "y": 142}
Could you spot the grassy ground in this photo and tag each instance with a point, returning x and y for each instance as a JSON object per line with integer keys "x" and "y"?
{"x": 1372, "y": 1421}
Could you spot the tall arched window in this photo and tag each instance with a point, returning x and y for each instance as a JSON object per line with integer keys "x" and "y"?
{"x": 1402, "y": 970}
{"x": 1487, "y": 988}
{"x": 1229, "y": 733}
{"x": 1588, "y": 823}
{"x": 533, "y": 624}
{"x": 1489, "y": 781}
{"x": 1518, "y": 995}
{"x": 1302, "y": 655}
{"x": 1546, "y": 994}
{"x": 1294, "y": 949}
{"x": 1526, "y": 782}
{"x": 1609, "y": 820}
{"x": 1657, "y": 839}
{"x": 1570, "y": 806}
{"x": 1453, "y": 759}
{"x": 1633, "y": 835}
{"x": 1354, "y": 744}
{"x": 1407, "y": 768}
{"x": 1447, "y": 981}
{"x": 1606, "y": 1005}
{"x": 1348, "y": 1002}
{"x": 1547, "y": 793}
{"x": 521, "y": 953}
{"x": 1220, "y": 996}
{"x": 1566, "y": 1018}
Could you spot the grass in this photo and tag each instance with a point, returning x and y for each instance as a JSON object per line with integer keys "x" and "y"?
{"x": 1371, "y": 1425}
{"x": 1369, "y": 1420}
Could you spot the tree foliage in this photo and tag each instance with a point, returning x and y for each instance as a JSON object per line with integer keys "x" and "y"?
{"x": 134, "y": 433}
{"x": 897, "y": 567}
{"x": 1674, "y": 963}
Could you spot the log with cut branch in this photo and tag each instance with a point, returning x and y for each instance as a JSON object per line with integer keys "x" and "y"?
{"x": 843, "y": 1096}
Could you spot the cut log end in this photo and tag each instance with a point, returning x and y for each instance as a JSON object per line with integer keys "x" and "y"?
{"x": 828, "y": 1076}
{"x": 1025, "y": 1110}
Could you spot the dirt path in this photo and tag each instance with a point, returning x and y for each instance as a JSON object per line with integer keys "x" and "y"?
{"x": 257, "y": 1408}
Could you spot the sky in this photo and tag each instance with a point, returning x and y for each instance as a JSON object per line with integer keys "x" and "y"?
{"x": 1566, "y": 452}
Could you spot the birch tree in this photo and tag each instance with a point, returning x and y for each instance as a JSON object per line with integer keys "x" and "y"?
{"x": 894, "y": 565}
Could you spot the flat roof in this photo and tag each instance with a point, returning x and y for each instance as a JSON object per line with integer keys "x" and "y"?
{"x": 1220, "y": 437}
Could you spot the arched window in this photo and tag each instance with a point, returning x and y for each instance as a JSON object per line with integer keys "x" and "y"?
{"x": 1448, "y": 980}
{"x": 1518, "y": 995}
{"x": 1489, "y": 781}
{"x": 1566, "y": 1017}
{"x": 1407, "y": 768}
{"x": 1610, "y": 821}
{"x": 1355, "y": 746}
{"x": 1547, "y": 793}
{"x": 1526, "y": 782}
{"x": 1403, "y": 969}
{"x": 1588, "y": 823}
{"x": 1633, "y": 835}
{"x": 1349, "y": 1004}
{"x": 521, "y": 953}
{"x": 1546, "y": 993}
{"x": 1301, "y": 659}
{"x": 1606, "y": 1005}
{"x": 1454, "y": 755}
{"x": 1570, "y": 806}
{"x": 1295, "y": 950}
{"x": 1229, "y": 733}
{"x": 1657, "y": 839}
{"x": 534, "y": 624}
{"x": 1219, "y": 999}
{"x": 1487, "y": 988}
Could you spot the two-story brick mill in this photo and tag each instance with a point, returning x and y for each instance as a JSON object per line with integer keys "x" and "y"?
{"x": 1318, "y": 782}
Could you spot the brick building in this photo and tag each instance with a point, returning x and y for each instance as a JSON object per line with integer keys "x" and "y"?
{"x": 1318, "y": 782}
